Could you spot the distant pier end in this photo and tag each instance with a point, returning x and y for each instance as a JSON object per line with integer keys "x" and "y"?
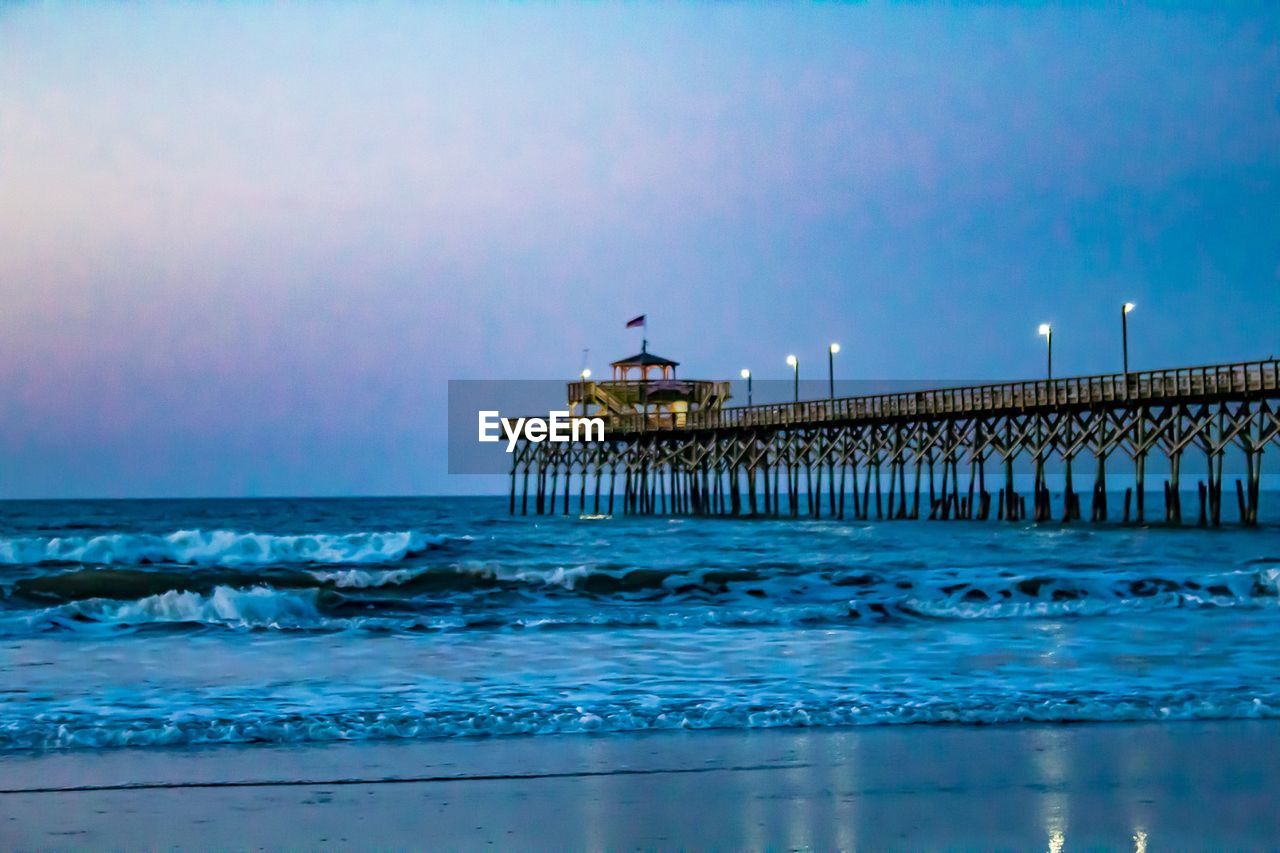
{"x": 674, "y": 448}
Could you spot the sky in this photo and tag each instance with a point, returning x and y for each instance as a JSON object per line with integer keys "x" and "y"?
{"x": 243, "y": 248}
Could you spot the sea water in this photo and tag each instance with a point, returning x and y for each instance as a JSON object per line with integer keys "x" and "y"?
{"x": 153, "y": 623}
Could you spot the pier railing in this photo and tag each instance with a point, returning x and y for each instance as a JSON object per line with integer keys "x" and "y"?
{"x": 1184, "y": 384}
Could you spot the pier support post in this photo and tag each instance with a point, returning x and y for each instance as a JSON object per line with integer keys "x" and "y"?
{"x": 542, "y": 483}
{"x": 1254, "y": 462}
{"x": 866, "y": 491}
{"x": 773, "y": 492}
{"x": 893, "y": 486}
{"x": 1099, "y": 512}
{"x": 940, "y": 508}
{"x": 844, "y": 466}
{"x": 984, "y": 497}
{"x": 1011, "y": 498}
{"x": 902, "y": 488}
{"x": 552, "y": 493}
{"x": 1140, "y": 466}
{"x": 613, "y": 476}
{"x": 595, "y": 510}
{"x": 1215, "y": 488}
{"x": 524, "y": 492}
{"x": 568, "y": 478}
{"x": 879, "y": 488}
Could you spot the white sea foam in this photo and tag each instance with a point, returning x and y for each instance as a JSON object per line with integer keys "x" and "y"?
{"x": 660, "y": 602}
{"x": 567, "y": 578}
{"x": 559, "y": 576}
{"x": 365, "y": 578}
{"x": 1270, "y": 578}
{"x": 71, "y": 730}
{"x": 264, "y": 608}
{"x": 217, "y": 548}
{"x": 258, "y": 607}
{"x": 1038, "y": 609}
{"x": 1076, "y": 595}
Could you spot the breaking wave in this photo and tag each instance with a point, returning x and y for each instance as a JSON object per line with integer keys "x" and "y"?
{"x": 462, "y": 597}
{"x": 77, "y": 730}
{"x": 258, "y": 607}
{"x": 217, "y": 548}
{"x": 1040, "y": 597}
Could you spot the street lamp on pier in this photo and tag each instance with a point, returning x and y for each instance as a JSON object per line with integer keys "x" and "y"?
{"x": 1124, "y": 335}
{"x": 831, "y": 369}
{"x": 1047, "y": 331}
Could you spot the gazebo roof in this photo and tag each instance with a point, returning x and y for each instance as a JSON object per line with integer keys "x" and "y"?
{"x": 645, "y": 359}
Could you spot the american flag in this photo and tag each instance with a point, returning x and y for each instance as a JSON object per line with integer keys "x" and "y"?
{"x": 636, "y": 321}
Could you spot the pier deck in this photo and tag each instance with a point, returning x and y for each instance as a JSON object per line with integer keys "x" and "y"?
{"x": 748, "y": 460}
{"x": 1245, "y": 380}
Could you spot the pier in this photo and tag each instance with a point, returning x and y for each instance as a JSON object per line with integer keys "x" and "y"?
{"x": 944, "y": 454}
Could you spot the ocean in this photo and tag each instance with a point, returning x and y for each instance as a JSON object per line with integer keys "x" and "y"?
{"x": 147, "y": 624}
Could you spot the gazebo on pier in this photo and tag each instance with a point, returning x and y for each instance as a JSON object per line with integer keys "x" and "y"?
{"x": 646, "y": 384}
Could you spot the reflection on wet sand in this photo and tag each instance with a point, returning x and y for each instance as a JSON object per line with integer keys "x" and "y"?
{"x": 1021, "y": 787}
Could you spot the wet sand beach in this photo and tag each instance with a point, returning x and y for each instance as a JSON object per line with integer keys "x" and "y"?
{"x": 1114, "y": 786}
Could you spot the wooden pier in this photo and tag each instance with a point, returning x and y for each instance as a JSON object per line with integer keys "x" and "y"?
{"x": 940, "y": 454}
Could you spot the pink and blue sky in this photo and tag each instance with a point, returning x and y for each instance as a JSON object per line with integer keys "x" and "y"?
{"x": 243, "y": 248}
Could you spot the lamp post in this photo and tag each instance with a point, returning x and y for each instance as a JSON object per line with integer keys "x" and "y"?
{"x": 795, "y": 366}
{"x": 831, "y": 369}
{"x": 584, "y": 375}
{"x": 1047, "y": 331}
{"x": 1124, "y": 335}
{"x": 746, "y": 374}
